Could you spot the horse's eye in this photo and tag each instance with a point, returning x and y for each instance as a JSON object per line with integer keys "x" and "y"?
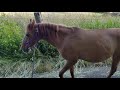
{"x": 27, "y": 35}
{"x": 36, "y": 29}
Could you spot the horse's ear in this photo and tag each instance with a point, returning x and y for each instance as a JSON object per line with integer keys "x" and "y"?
{"x": 33, "y": 22}
{"x": 30, "y": 20}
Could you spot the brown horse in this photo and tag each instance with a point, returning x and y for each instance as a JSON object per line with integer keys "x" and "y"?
{"x": 74, "y": 43}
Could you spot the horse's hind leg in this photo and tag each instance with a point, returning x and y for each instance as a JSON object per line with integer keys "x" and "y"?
{"x": 115, "y": 62}
{"x": 68, "y": 65}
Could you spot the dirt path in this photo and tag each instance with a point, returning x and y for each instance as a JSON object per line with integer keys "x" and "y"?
{"x": 91, "y": 72}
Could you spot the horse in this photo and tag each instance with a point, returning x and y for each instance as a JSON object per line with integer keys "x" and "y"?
{"x": 75, "y": 44}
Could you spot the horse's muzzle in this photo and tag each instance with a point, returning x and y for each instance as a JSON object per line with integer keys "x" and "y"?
{"x": 24, "y": 49}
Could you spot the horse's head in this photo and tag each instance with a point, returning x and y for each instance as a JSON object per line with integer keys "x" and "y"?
{"x": 31, "y": 37}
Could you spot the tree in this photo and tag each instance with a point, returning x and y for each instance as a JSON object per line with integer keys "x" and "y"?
{"x": 38, "y": 17}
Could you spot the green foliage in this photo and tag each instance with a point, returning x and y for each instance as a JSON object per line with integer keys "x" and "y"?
{"x": 10, "y": 36}
{"x": 47, "y": 49}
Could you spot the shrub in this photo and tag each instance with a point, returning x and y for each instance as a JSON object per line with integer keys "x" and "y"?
{"x": 10, "y": 36}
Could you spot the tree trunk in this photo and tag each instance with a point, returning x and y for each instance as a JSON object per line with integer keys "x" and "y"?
{"x": 38, "y": 17}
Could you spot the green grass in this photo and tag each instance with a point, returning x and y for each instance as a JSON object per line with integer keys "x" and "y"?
{"x": 14, "y": 63}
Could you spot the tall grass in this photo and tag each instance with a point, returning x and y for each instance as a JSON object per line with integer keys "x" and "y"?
{"x": 88, "y": 21}
{"x": 12, "y": 30}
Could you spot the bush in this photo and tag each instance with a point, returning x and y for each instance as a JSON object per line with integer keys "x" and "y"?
{"x": 10, "y": 36}
{"x": 47, "y": 49}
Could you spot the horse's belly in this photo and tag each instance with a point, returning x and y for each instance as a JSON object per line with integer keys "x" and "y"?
{"x": 97, "y": 51}
{"x": 94, "y": 58}
{"x": 95, "y": 55}
{"x": 87, "y": 54}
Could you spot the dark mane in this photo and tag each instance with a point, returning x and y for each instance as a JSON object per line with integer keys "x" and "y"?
{"x": 50, "y": 28}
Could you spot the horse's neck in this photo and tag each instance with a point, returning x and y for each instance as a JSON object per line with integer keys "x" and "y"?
{"x": 56, "y": 38}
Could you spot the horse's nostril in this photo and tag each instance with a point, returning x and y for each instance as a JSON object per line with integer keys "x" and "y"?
{"x": 26, "y": 42}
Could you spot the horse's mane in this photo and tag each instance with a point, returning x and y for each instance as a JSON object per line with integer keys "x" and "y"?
{"x": 58, "y": 28}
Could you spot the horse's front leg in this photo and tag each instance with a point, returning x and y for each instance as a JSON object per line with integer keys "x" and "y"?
{"x": 68, "y": 65}
{"x": 72, "y": 71}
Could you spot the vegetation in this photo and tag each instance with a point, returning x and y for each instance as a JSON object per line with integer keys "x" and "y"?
{"x": 12, "y": 30}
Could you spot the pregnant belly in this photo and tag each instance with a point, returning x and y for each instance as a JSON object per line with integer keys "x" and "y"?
{"x": 94, "y": 57}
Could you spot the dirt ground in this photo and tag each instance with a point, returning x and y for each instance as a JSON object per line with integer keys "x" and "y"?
{"x": 91, "y": 72}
